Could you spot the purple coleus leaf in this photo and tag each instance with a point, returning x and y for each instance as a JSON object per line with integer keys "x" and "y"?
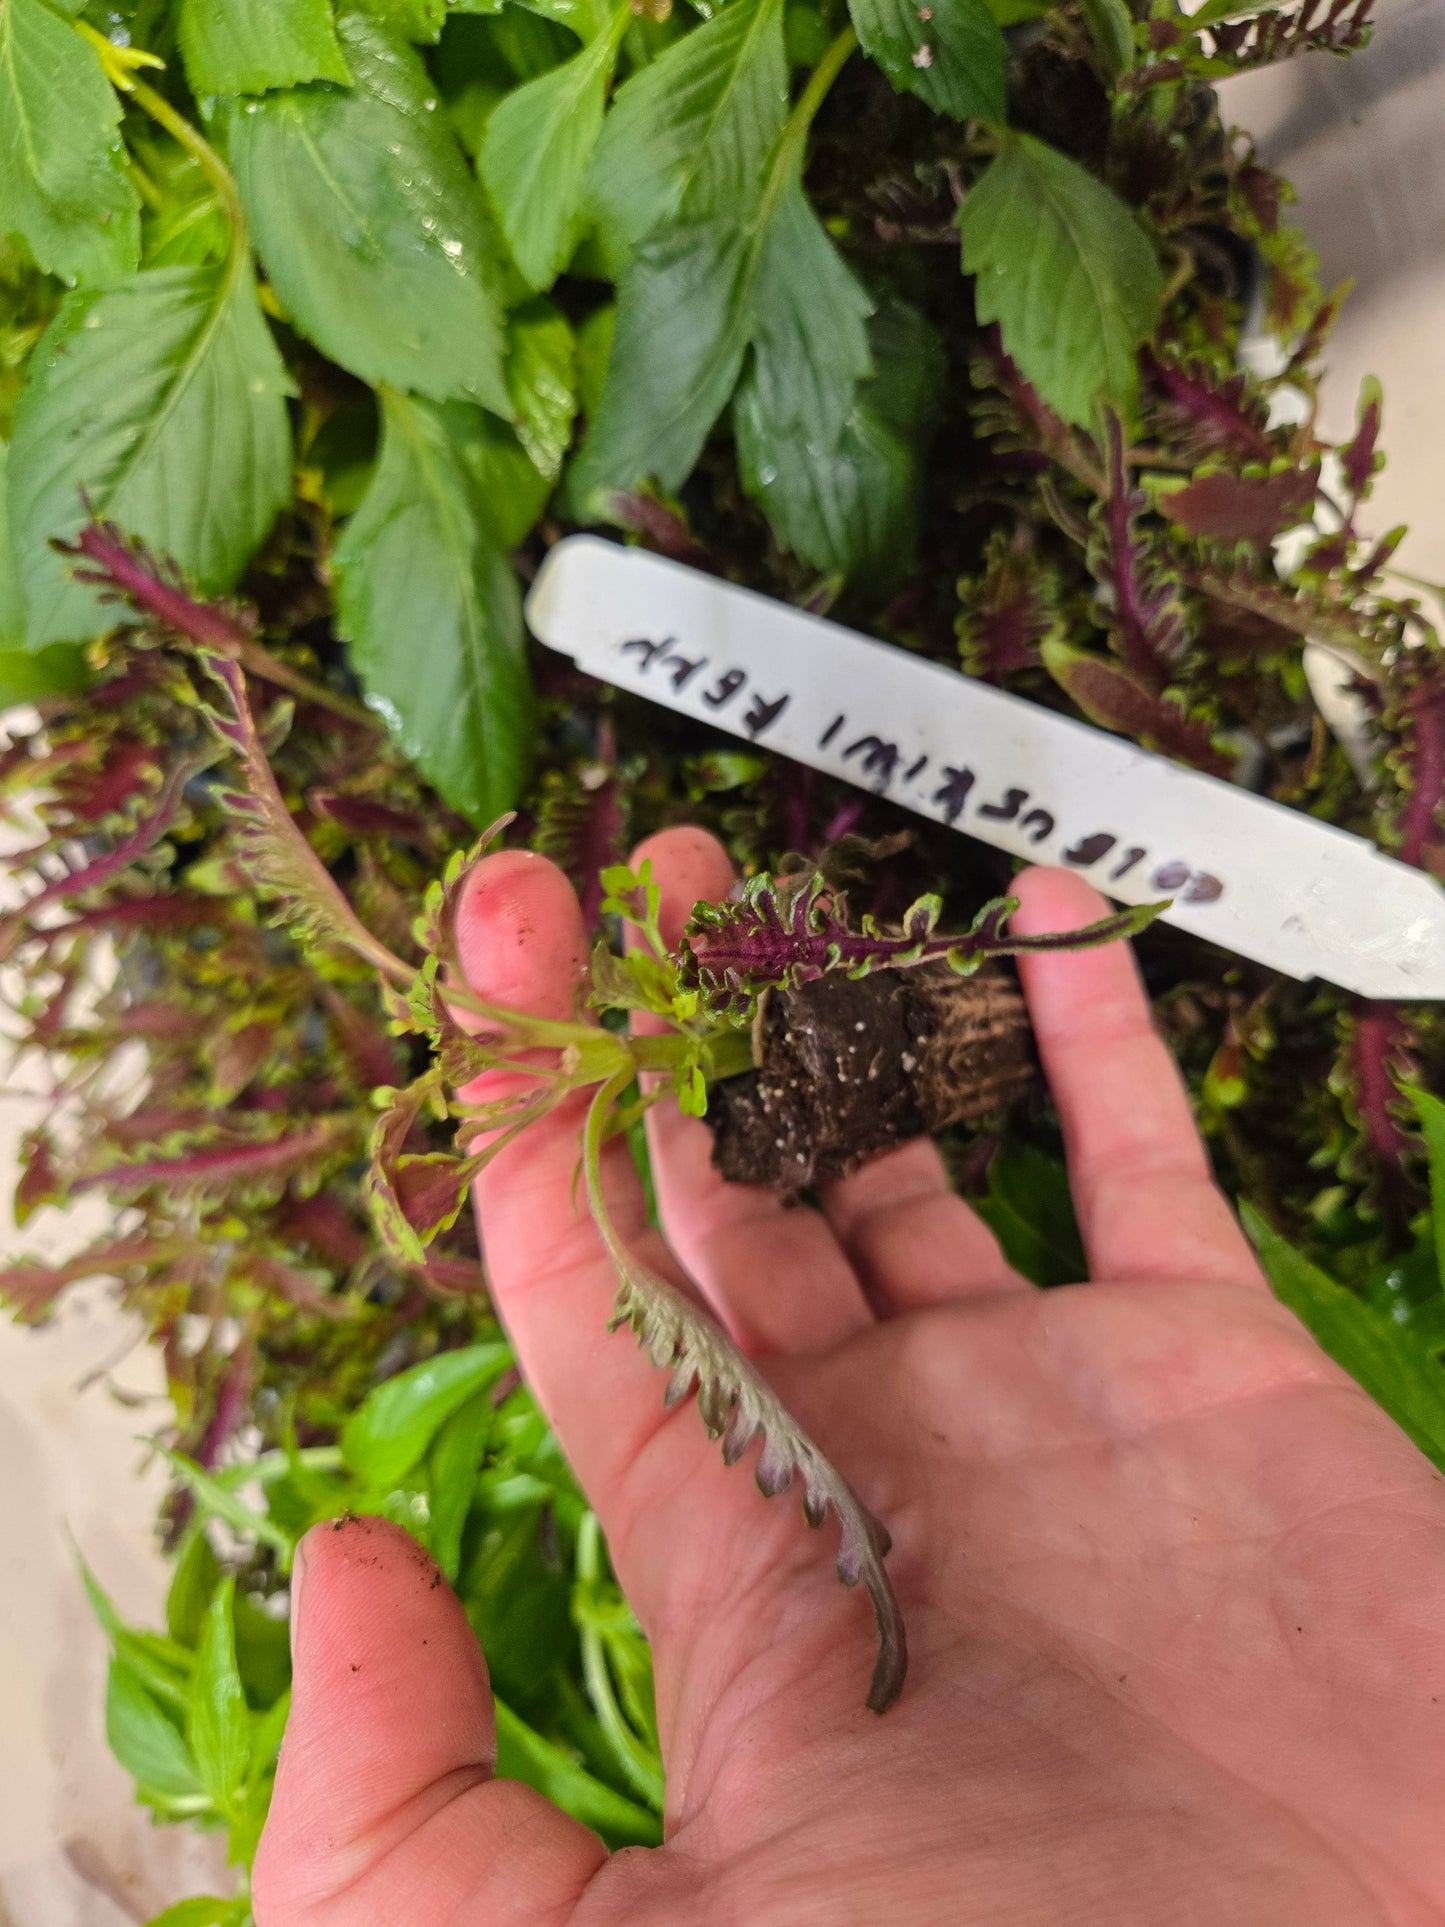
{"x": 30, "y": 1286}
{"x": 1359, "y": 458}
{"x": 298, "y": 1153}
{"x": 1148, "y": 624}
{"x": 1221, "y": 507}
{"x": 1111, "y": 696}
{"x": 793, "y": 930}
{"x": 1004, "y": 614}
{"x": 1204, "y": 417}
{"x": 112, "y": 863}
{"x": 1421, "y": 760}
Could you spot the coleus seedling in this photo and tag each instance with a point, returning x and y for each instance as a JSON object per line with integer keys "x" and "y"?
{"x": 781, "y": 930}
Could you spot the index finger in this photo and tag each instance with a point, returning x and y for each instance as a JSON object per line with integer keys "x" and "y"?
{"x": 522, "y": 943}
{"x": 1147, "y": 1203}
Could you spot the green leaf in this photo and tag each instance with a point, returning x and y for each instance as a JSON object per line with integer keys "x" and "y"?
{"x": 370, "y": 226}
{"x": 411, "y": 19}
{"x": 1030, "y": 1210}
{"x": 536, "y": 150}
{"x": 250, "y": 46}
{"x": 163, "y": 1667}
{"x": 202, "y": 1910}
{"x": 220, "y": 1502}
{"x": 456, "y": 1458}
{"x": 1432, "y": 1123}
{"x": 30, "y": 676}
{"x": 688, "y": 136}
{"x": 542, "y": 381}
{"x": 162, "y": 398}
{"x": 594, "y": 351}
{"x": 1385, "y": 1357}
{"x": 951, "y": 54}
{"x": 851, "y": 508}
{"x": 148, "y": 1745}
{"x": 1111, "y": 27}
{"x": 1068, "y": 274}
{"x": 218, "y": 1725}
{"x": 193, "y": 1584}
{"x": 523, "y": 1754}
{"x": 810, "y": 328}
{"x": 505, "y": 477}
{"x": 683, "y": 323}
{"x": 391, "y": 1431}
{"x": 428, "y": 600}
{"x": 63, "y": 180}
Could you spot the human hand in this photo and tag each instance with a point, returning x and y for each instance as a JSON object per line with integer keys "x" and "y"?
{"x": 1174, "y": 1586}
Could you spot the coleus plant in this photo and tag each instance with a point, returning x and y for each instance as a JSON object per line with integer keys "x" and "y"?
{"x": 707, "y": 992}
{"x": 360, "y": 307}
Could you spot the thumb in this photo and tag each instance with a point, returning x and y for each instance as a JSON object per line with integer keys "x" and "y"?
{"x": 386, "y": 1808}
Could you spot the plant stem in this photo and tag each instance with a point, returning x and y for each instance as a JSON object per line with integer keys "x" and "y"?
{"x": 788, "y": 154}
{"x": 199, "y": 149}
{"x": 632, "y": 1756}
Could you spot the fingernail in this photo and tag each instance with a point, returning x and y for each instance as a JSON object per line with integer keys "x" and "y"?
{"x": 298, "y": 1574}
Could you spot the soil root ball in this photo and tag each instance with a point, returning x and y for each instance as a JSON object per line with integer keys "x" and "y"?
{"x": 850, "y": 1067}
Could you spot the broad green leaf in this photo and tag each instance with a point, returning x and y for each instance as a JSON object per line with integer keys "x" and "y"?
{"x": 202, "y": 1910}
{"x": 692, "y": 298}
{"x": 810, "y": 327}
{"x": 428, "y": 600}
{"x": 1068, "y": 274}
{"x": 148, "y": 1745}
{"x": 250, "y": 46}
{"x": 542, "y": 381}
{"x": 63, "y": 180}
{"x": 1030, "y": 1211}
{"x": 1385, "y": 1357}
{"x": 1009, "y": 13}
{"x": 535, "y": 153}
{"x": 370, "y": 226}
{"x": 683, "y": 324}
{"x": 456, "y": 1458}
{"x": 523, "y": 1754}
{"x": 506, "y": 480}
{"x": 688, "y": 137}
{"x": 951, "y": 53}
{"x": 594, "y": 351}
{"x": 263, "y": 1651}
{"x": 163, "y": 399}
{"x": 848, "y": 508}
{"x": 29, "y": 676}
{"x": 193, "y": 1584}
{"x": 1432, "y": 1123}
{"x": 391, "y": 1431}
{"x": 218, "y": 1724}
{"x": 411, "y": 19}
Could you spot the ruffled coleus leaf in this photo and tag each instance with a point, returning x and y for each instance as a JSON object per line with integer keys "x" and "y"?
{"x": 1148, "y": 626}
{"x": 792, "y": 930}
{"x": 1203, "y": 416}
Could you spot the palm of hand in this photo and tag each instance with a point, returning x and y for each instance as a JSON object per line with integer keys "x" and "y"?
{"x": 1172, "y": 1583}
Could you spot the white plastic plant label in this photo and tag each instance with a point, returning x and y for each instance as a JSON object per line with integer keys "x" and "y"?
{"x": 1264, "y": 881}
